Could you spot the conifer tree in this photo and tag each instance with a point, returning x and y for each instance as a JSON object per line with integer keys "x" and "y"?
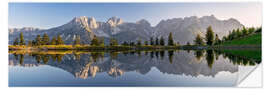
{"x": 251, "y": 30}
{"x": 229, "y": 36}
{"x": 209, "y": 36}
{"x": 16, "y": 41}
{"x": 234, "y": 34}
{"x": 125, "y": 43}
{"x": 34, "y": 43}
{"x": 238, "y": 33}
{"x": 145, "y": 42}
{"x": 151, "y": 41}
{"x": 38, "y": 40}
{"x": 53, "y": 41}
{"x": 139, "y": 42}
{"x": 95, "y": 41}
{"x": 45, "y": 39}
{"x": 170, "y": 40}
{"x": 59, "y": 40}
{"x": 114, "y": 42}
{"x": 188, "y": 44}
{"x": 131, "y": 43}
{"x": 245, "y": 32}
{"x": 22, "y": 41}
{"x": 198, "y": 40}
{"x": 217, "y": 40}
{"x": 157, "y": 41}
{"x": 162, "y": 42}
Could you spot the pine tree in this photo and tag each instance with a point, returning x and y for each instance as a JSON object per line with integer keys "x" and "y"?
{"x": 34, "y": 43}
{"x": 16, "y": 41}
{"x": 188, "y": 44}
{"x": 114, "y": 42}
{"x": 258, "y": 30}
{"x": 145, "y": 42}
{"x": 162, "y": 42}
{"x": 139, "y": 42}
{"x": 170, "y": 40}
{"x": 45, "y": 39}
{"x": 38, "y": 40}
{"x": 217, "y": 40}
{"x": 22, "y": 41}
{"x": 59, "y": 40}
{"x": 245, "y": 32}
{"x": 238, "y": 33}
{"x": 157, "y": 41}
{"x": 77, "y": 40}
{"x": 151, "y": 41}
{"x": 251, "y": 30}
{"x": 53, "y": 41}
{"x": 198, "y": 40}
{"x": 125, "y": 43}
{"x": 234, "y": 35}
{"x": 131, "y": 43}
{"x": 229, "y": 36}
{"x": 178, "y": 44}
{"x": 95, "y": 41}
{"x": 209, "y": 36}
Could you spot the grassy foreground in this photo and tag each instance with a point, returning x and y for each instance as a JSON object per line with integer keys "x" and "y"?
{"x": 254, "y": 39}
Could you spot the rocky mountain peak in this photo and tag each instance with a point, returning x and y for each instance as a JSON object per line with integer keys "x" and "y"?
{"x": 92, "y": 23}
{"x": 143, "y": 22}
{"x": 86, "y": 22}
{"x": 114, "y": 21}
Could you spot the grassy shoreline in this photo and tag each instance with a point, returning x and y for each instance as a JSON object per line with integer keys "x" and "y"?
{"x": 125, "y": 48}
{"x": 89, "y": 47}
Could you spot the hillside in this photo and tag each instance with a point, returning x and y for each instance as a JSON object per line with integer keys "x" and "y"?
{"x": 254, "y": 39}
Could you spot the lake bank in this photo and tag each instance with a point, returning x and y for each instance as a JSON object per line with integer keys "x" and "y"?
{"x": 88, "y": 47}
{"x": 126, "y": 48}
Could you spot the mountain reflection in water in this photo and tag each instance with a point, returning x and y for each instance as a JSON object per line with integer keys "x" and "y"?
{"x": 127, "y": 68}
{"x": 83, "y": 65}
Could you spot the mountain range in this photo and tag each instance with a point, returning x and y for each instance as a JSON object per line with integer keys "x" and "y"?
{"x": 184, "y": 29}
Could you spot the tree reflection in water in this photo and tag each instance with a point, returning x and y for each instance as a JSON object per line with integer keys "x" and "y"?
{"x": 92, "y": 60}
{"x": 170, "y": 54}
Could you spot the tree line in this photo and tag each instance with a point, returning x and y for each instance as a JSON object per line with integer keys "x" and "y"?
{"x": 213, "y": 39}
{"x": 45, "y": 40}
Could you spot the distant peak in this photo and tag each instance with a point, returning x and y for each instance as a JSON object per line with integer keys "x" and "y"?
{"x": 209, "y": 17}
{"x": 143, "y": 21}
{"x": 79, "y": 19}
{"x": 232, "y": 19}
{"x": 114, "y": 21}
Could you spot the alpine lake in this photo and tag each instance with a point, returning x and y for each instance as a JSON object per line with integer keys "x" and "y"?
{"x": 166, "y": 68}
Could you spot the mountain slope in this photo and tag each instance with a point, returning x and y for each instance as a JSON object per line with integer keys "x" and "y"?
{"x": 183, "y": 29}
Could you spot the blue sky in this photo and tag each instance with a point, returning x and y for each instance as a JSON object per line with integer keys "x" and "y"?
{"x": 48, "y": 15}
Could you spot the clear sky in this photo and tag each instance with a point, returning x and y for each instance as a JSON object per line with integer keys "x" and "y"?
{"x": 48, "y": 15}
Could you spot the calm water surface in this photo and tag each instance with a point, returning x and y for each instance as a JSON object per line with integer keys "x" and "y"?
{"x": 145, "y": 68}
